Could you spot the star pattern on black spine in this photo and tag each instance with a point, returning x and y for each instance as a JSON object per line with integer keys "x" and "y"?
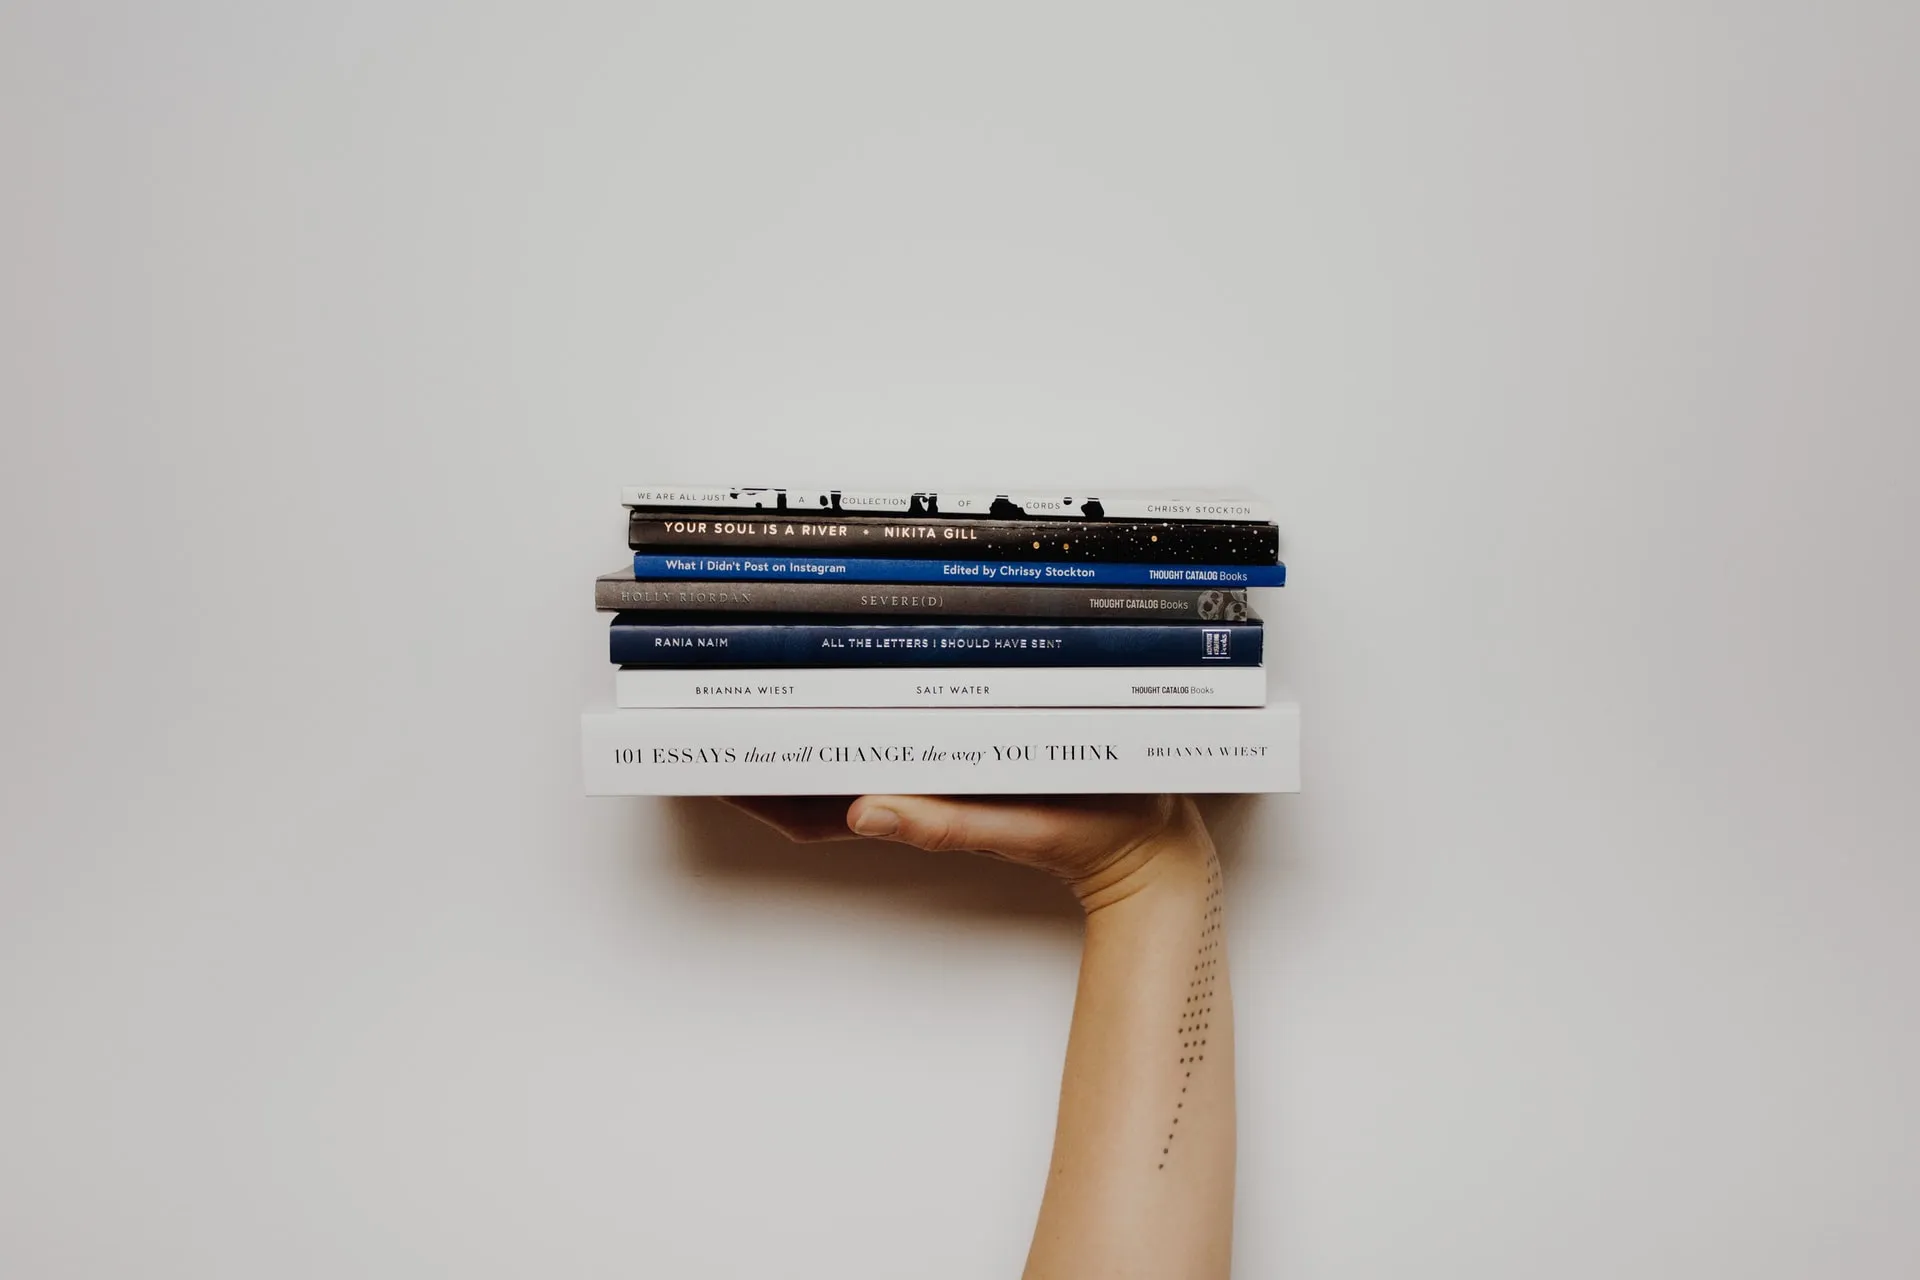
{"x": 921, "y": 534}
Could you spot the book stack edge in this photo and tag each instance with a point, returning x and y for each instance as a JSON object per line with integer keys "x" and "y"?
{"x": 820, "y": 641}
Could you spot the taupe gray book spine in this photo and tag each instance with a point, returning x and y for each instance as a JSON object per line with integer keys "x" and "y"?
{"x": 619, "y": 591}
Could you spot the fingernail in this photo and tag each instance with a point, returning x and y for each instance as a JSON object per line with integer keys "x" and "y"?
{"x": 877, "y": 822}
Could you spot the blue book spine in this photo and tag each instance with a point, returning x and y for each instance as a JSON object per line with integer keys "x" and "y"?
{"x": 864, "y": 569}
{"x": 643, "y": 640}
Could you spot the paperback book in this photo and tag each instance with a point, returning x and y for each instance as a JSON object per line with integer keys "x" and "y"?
{"x": 710, "y": 751}
{"x": 621, "y": 590}
{"x": 928, "y": 537}
{"x": 642, "y": 639}
{"x": 645, "y": 687}
{"x": 1110, "y": 504}
{"x": 879, "y": 569}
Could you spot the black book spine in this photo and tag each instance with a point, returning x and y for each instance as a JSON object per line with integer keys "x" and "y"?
{"x": 933, "y": 538}
{"x": 619, "y": 591}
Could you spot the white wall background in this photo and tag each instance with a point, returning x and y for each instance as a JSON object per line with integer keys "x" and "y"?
{"x": 1576, "y": 342}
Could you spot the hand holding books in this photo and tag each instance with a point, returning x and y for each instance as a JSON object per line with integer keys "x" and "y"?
{"x": 1106, "y": 848}
{"x": 789, "y": 642}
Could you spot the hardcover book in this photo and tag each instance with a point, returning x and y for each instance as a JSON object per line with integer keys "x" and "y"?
{"x": 1111, "y": 504}
{"x": 661, "y": 640}
{"x": 714, "y": 751}
{"x": 929, "y": 537}
{"x": 621, "y": 590}
{"x": 941, "y": 687}
{"x": 781, "y": 568}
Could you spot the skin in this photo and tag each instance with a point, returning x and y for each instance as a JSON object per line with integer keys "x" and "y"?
{"x": 1141, "y": 1180}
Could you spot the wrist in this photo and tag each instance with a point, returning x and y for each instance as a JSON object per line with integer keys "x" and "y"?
{"x": 1175, "y": 864}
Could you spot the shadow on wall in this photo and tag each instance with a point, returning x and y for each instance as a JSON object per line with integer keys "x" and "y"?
{"x": 726, "y": 849}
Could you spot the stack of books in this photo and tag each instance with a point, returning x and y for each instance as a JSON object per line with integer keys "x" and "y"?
{"x": 826, "y": 641}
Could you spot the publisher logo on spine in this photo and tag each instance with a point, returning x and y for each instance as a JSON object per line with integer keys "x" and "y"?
{"x": 1216, "y": 643}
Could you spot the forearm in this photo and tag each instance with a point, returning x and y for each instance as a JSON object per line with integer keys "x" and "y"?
{"x": 1141, "y": 1182}
{"x": 1142, "y": 1177}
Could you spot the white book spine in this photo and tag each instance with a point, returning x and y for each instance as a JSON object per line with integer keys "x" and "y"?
{"x": 1173, "y": 504}
{"x": 943, "y": 687}
{"x": 946, "y": 751}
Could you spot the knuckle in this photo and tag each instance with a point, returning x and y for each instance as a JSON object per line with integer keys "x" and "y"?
{"x": 937, "y": 833}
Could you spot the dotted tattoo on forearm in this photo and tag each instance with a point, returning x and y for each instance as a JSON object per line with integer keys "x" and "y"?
{"x": 1196, "y": 1011}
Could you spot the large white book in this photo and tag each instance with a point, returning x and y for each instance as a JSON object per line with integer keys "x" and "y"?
{"x": 709, "y": 751}
{"x": 941, "y": 687}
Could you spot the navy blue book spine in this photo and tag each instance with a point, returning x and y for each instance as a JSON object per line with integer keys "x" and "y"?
{"x": 644, "y": 640}
{"x": 1023, "y": 573}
